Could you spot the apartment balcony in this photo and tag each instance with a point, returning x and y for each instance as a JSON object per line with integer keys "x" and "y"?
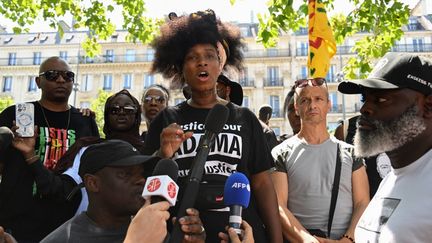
{"x": 271, "y": 82}
{"x": 423, "y": 47}
{"x": 246, "y": 82}
{"x": 272, "y": 52}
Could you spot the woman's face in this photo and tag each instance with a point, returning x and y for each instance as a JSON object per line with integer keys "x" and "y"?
{"x": 122, "y": 113}
{"x": 201, "y": 68}
{"x": 154, "y": 100}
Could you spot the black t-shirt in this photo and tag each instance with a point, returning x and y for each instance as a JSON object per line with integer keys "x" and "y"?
{"x": 28, "y": 206}
{"x": 239, "y": 147}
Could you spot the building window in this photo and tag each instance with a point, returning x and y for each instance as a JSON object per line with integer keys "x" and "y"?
{"x": 276, "y": 130}
{"x": 107, "y": 82}
{"x": 127, "y": 81}
{"x": 333, "y": 101}
{"x": 7, "y": 84}
{"x": 32, "y": 84}
{"x": 84, "y": 104}
{"x": 148, "y": 80}
{"x": 245, "y": 101}
{"x": 274, "y": 103}
{"x": 149, "y": 56}
{"x": 109, "y": 55}
{"x": 417, "y": 45}
{"x": 178, "y": 101}
{"x": 86, "y": 83}
{"x": 302, "y": 49}
{"x": 130, "y": 55}
{"x": 12, "y": 59}
{"x": 37, "y": 57}
{"x": 303, "y": 72}
{"x": 273, "y": 76}
{"x": 331, "y": 74}
{"x": 63, "y": 55}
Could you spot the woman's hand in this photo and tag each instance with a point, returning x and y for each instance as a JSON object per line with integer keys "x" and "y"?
{"x": 171, "y": 138}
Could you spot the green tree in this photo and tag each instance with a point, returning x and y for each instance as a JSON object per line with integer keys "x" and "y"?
{"x": 89, "y": 14}
{"x": 98, "y": 106}
{"x": 5, "y": 101}
{"x": 383, "y": 19}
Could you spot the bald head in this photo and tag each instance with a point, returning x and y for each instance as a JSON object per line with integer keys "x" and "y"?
{"x": 48, "y": 63}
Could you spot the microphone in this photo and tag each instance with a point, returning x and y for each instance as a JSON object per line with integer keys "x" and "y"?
{"x": 6, "y": 137}
{"x": 214, "y": 123}
{"x": 236, "y": 196}
{"x": 162, "y": 186}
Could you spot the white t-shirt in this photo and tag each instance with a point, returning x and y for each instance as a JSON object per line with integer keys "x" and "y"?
{"x": 401, "y": 210}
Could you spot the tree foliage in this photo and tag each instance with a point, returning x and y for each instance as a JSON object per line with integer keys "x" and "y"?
{"x": 383, "y": 19}
{"x": 92, "y": 15}
{"x": 98, "y": 106}
{"x": 5, "y": 101}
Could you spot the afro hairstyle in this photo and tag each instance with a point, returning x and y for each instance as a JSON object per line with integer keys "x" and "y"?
{"x": 180, "y": 33}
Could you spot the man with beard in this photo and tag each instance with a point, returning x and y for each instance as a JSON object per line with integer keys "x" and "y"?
{"x": 321, "y": 189}
{"x": 28, "y": 208}
{"x": 396, "y": 118}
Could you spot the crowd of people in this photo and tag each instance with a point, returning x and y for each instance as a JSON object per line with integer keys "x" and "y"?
{"x": 67, "y": 184}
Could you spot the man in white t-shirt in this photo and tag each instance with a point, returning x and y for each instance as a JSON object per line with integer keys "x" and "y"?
{"x": 396, "y": 118}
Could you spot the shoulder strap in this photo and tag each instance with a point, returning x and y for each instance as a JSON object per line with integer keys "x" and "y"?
{"x": 335, "y": 189}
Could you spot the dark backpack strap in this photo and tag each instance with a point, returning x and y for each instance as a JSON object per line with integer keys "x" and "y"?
{"x": 335, "y": 189}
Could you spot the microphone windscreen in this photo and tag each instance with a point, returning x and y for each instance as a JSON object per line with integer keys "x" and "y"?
{"x": 216, "y": 118}
{"x": 6, "y": 137}
{"x": 237, "y": 190}
{"x": 166, "y": 167}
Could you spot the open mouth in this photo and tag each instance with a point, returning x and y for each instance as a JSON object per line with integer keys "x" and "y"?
{"x": 203, "y": 74}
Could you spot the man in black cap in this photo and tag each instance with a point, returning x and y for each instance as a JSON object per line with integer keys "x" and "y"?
{"x": 396, "y": 118}
{"x": 229, "y": 90}
{"x": 113, "y": 175}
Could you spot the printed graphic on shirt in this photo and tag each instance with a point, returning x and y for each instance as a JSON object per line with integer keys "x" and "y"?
{"x": 378, "y": 213}
{"x": 53, "y": 143}
{"x": 227, "y": 145}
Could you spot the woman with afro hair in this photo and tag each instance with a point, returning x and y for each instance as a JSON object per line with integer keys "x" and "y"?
{"x": 194, "y": 49}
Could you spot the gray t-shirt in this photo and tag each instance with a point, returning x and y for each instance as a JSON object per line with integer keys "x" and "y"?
{"x": 310, "y": 170}
{"x": 81, "y": 229}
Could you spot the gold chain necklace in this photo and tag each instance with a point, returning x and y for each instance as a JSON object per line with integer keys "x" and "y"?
{"x": 46, "y": 120}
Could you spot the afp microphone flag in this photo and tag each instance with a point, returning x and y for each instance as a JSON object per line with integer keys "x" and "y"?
{"x": 322, "y": 45}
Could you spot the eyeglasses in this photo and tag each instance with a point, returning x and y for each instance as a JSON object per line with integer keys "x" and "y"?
{"x": 157, "y": 98}
{"x": 127, "y": 109}
{"x": 53, "y": 75}
{"x": 301, "y": 83}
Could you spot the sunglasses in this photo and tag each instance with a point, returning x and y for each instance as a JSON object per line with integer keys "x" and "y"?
{"x": 301, "y": 83}
{"x": 127, "y": 109}
{"x": 157, "y": 98}
{"x": 53, "y": 75}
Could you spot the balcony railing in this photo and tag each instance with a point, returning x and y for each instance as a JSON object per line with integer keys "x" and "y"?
{"x": 424, "y": 47}
{"x": 246, "y": 82}
{"x": 267, "y": 53}
{"x": 270, "y": 82}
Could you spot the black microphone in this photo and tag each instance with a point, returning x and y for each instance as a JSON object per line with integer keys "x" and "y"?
{"x": 6, "y": 137}
{"x": 214, "y": 123}
{"x": 162, "y": 186}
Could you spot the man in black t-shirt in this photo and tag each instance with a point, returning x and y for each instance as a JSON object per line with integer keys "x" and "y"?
{"x": 28, "y": 208}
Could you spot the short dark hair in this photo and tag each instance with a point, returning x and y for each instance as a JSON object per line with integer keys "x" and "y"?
{"x": 265, "y": 112}
{"x": 179, "y": 34}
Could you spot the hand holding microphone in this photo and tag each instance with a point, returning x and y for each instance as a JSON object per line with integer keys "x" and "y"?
{"x": 162, "y": 186}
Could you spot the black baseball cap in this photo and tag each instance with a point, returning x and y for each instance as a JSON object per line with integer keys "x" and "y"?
{"x": 236, "y": 95}
{"x": 394, "y": 71}
{"x": 112, "y": 152}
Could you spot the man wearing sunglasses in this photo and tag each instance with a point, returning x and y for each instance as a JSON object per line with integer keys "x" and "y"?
{"x": 321, "y": 188}
{"x": 28, "y": 208}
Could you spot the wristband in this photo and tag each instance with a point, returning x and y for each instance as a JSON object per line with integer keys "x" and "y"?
{"x": 348, "y": 237}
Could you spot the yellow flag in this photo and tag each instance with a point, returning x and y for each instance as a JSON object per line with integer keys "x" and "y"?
{"x": 322, "y": 45}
